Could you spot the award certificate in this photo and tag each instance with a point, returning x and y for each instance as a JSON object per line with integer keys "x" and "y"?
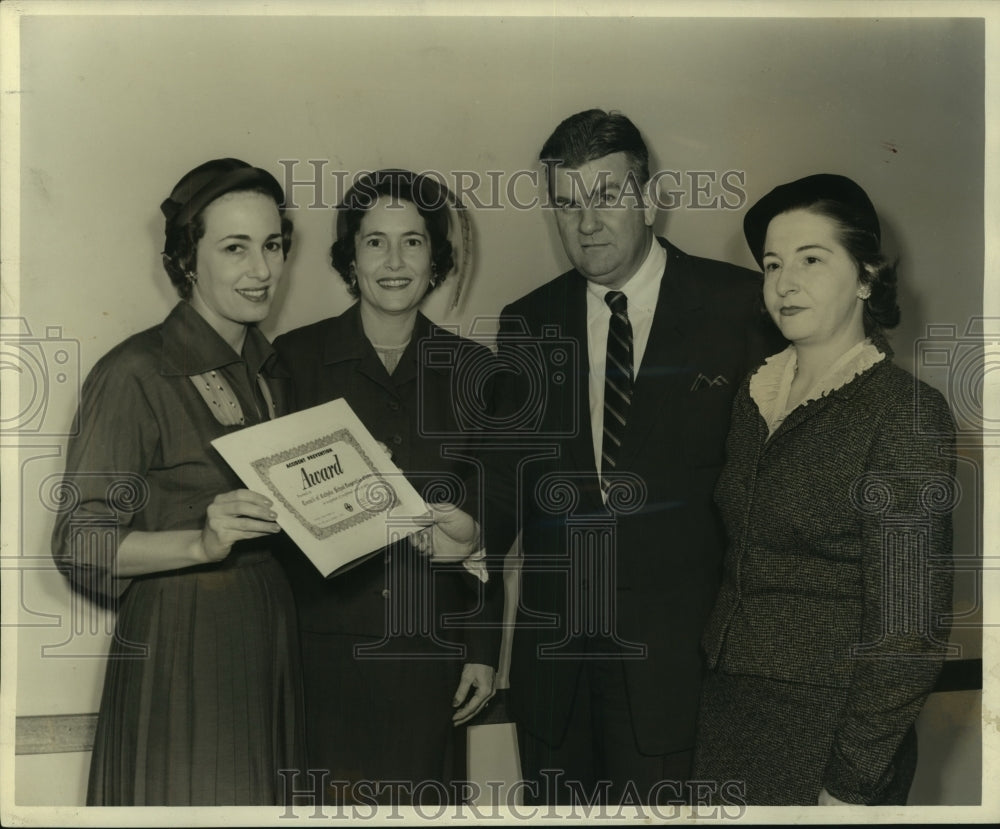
{"x": 335, "y": 490}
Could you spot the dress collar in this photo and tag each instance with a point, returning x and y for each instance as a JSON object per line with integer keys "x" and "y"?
{"x": 346, "y": 338}
{"x": 345, "y": 341}
{"x": 191, "y": 346}
{"x": 771, "y": 384}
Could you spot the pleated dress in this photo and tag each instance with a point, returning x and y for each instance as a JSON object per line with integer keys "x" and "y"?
{"x": 202, "y": 700}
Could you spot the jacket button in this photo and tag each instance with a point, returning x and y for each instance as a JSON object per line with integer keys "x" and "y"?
{"x": 397, "y": 440}
{"x": 393, "y": 406}
{"x": 386, "y": 593}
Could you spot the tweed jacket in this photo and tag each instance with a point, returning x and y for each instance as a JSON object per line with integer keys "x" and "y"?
{"x": 652, "y": 593}
{"x": 837, "y": 571}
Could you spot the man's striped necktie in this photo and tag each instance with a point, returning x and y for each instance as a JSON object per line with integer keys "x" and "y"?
{"x": 618, "y": 379}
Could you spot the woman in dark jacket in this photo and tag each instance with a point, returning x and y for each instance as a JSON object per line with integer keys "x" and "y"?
{"x": 201, "y": 703}
{"x": 387, "y": 669}
{"x": 828, "y": 632}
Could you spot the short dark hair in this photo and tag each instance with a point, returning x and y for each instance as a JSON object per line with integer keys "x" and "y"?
{"x": 593, "y": 134}
{"x": 881, "y": 310}
{"x": 423, "y": 192}
{"x": 180, "y": 250}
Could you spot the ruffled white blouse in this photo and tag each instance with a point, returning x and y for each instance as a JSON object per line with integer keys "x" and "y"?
{"x": 771, "y": 384}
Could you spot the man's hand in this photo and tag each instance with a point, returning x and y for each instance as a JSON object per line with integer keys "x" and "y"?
{"x": 452, "y": 534}
{"x": 480, "y": 678}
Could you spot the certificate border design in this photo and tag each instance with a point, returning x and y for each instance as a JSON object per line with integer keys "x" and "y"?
{"x": 370, "y": 507}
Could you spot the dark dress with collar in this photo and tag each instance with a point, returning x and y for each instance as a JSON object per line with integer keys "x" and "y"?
{"x": 827, "y": 635}
{"x": 201, "y": 702}
{"x": 383, "y": 643}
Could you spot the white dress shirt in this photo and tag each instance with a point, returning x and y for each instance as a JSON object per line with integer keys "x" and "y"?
{"x": 641, "y": 291}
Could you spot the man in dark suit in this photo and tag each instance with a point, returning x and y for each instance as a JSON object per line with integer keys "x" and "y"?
{"x": 641, "y": 347}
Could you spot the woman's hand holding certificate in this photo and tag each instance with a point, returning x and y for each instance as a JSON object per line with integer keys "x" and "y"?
{"x": 235, "y": 516}
{"x": 333, "y": 487}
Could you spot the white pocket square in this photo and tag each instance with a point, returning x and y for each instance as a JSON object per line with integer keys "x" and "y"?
{"x": 703, "y": 382}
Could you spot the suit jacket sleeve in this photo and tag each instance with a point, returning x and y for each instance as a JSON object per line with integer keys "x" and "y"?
{"x": 908, "y": 492}
{"x": 510, "y": 394}
{"x": 484, "y": 632}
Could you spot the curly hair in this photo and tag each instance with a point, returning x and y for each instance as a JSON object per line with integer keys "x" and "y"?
{"x": 881, "y": 310}
{"x": 423, "y": 192}
{"x": 180, "y": 250}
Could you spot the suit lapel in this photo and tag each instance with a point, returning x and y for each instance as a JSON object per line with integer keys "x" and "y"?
{"x": 581, "y": 447}
{"x": 347, "y": 342}
{"x": 408, "y": 368}
{"x": 664, "y": 375}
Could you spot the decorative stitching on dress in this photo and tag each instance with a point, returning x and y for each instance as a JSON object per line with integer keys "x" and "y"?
{"x": 221, "y": 399}
{"x": 218, "y": 394}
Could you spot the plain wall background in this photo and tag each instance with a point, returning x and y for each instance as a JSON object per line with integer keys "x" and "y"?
{"x": 115, "y": 109}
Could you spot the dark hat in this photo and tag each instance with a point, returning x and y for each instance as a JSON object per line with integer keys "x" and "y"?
{"x": 803, "y": 193}
{"x": 205, "y": 183}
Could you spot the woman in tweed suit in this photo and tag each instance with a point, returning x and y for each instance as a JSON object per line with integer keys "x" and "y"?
{"x": 827, "y": 634}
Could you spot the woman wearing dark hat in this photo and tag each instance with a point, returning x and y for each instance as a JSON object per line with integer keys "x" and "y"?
{"x": 201, "y": 702}
{"x": 388, "y": 671}
{"x": 827, "y": 635}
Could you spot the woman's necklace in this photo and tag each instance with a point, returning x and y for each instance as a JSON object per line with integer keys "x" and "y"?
{"x": 390, "y": 354}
